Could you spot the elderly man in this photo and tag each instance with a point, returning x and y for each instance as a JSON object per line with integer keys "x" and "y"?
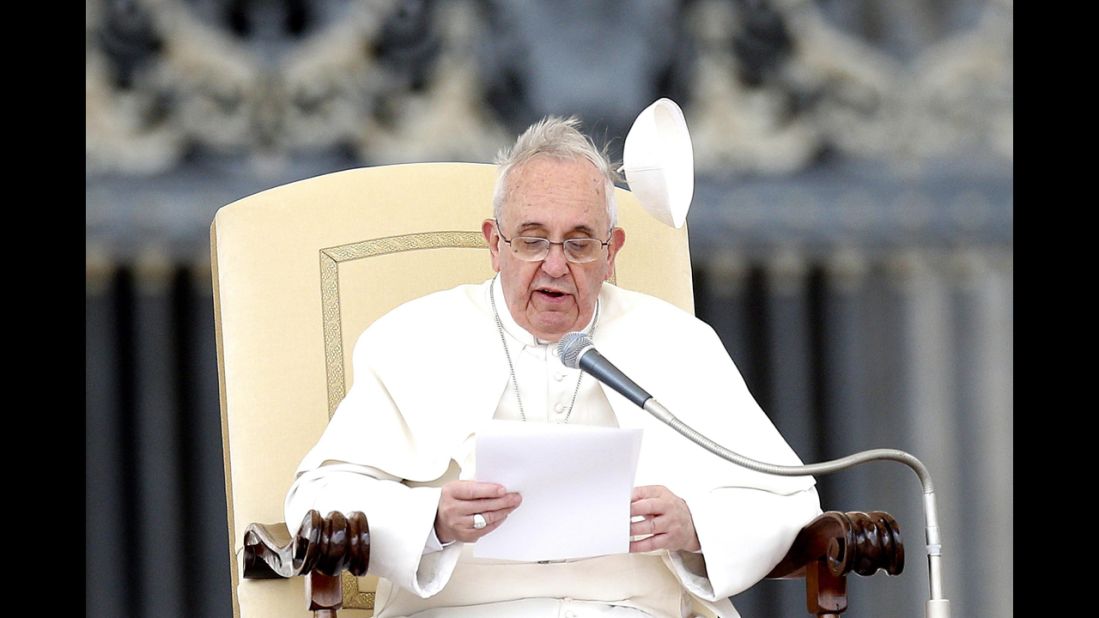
{"x": 429, "y": 373}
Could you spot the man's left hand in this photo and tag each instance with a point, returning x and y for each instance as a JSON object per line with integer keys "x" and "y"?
{"x": 667, "y": 519}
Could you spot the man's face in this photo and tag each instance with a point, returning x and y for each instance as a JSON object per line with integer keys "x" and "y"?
{"x": 555, "y": 199}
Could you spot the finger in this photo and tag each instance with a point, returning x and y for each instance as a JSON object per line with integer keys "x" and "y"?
{"x": 649, "y": 525}
{"x": 458, "y": 515}
{"x": 652, "y": 543}
{"x": 509, "y": 501}
{"x": 473, "y": 490}
{"x": 491, "y": 517}
{"x": 465, "y": 532}
{"x": 470, "y": 534}
{"x": 649, "y": 506}
{"x": 470, "y": 521}
{"x": 477, "y": 534}
{"x": 648, "y": 491}
{"x": 500, "y": 512}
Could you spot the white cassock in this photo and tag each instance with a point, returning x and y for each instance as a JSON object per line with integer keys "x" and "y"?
{"x": 430, "y": 372}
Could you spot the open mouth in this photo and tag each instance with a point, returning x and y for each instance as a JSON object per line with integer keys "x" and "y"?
{"x": 551, "y": 293}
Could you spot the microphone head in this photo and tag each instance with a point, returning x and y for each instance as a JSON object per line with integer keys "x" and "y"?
{"x": 571, "y": 346}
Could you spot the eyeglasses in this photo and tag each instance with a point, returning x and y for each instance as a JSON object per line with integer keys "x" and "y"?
{"x": 535, "y": 249}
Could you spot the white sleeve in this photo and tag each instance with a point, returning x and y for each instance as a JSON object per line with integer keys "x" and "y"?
{"x": 401, "y": 519}
{"x": 744, "y": 533}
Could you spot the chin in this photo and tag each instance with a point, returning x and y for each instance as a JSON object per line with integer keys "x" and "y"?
{"x": 552, "y": 332}
{"x": 550, "y": 335}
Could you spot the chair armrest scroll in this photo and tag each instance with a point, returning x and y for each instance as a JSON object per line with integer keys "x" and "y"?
{"x": 852, "y": 541}
{"x": 323, "y": 545}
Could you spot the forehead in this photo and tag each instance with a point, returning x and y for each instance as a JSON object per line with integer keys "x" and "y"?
{"x": 556, "y": 193}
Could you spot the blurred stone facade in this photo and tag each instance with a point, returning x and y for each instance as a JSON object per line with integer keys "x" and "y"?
{"x": 248, "y": 94}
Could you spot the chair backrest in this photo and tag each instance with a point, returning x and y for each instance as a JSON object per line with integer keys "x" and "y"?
{"x": 300, "y": 270}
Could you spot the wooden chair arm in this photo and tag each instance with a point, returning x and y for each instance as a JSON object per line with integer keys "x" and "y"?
{"x": 861, "y": 542}
{"x": 824, "y": 552}
{"x": 325, "y": 545}
{"x": 323, "y": 548}
{"x": 835, "y": 544}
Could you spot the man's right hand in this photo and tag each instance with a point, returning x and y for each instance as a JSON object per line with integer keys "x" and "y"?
{"x": 461, "y": 500}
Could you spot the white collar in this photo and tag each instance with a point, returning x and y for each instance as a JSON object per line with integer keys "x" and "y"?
{"x": 511, "y": 327}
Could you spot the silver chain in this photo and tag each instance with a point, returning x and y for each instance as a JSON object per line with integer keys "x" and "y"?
{"x": 511, "y": 367}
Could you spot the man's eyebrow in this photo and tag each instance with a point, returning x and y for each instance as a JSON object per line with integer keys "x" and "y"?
{"x": 530, "y": 225}
{"x": 536, "y": 225}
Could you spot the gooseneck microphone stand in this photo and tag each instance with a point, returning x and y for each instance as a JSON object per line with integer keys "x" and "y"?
{"x": 578, "y": 352}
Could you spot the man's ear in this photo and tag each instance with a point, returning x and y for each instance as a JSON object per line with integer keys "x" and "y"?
{"x": 488, "y": 228}
{"x": 618, "y": 240}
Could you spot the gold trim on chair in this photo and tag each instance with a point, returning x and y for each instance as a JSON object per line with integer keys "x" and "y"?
{"x": 353, "y": 598}
{"x": 332, "y": 257}
{"x": 330, "y": 260}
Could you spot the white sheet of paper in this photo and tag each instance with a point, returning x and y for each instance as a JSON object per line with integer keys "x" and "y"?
{"x": 575, "y": 481}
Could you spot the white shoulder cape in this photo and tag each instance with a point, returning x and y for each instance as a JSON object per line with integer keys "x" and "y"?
{"x": 430, "y": 372}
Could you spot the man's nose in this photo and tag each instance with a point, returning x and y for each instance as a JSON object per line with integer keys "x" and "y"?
{"x": 555, "y": 263}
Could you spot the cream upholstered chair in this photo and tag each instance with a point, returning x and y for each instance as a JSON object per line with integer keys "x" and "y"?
{"x": 300, "y": 270}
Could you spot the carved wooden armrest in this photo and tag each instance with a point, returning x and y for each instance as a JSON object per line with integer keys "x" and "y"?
{"x": 824, "y": 552}
{"x": 833, "y": 545}
{"x": 322, "y": 549}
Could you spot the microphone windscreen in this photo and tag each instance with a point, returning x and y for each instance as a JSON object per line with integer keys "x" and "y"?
{"x": 571, "y": 346}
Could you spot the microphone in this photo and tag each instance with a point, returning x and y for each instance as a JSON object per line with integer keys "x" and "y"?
{"x": 578, "y": 352}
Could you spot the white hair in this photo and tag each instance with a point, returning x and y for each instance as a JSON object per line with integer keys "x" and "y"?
{"x": 557, "y": 137}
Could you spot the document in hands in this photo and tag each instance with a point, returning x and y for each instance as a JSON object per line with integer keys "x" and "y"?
{"x": 575, "y": 481}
